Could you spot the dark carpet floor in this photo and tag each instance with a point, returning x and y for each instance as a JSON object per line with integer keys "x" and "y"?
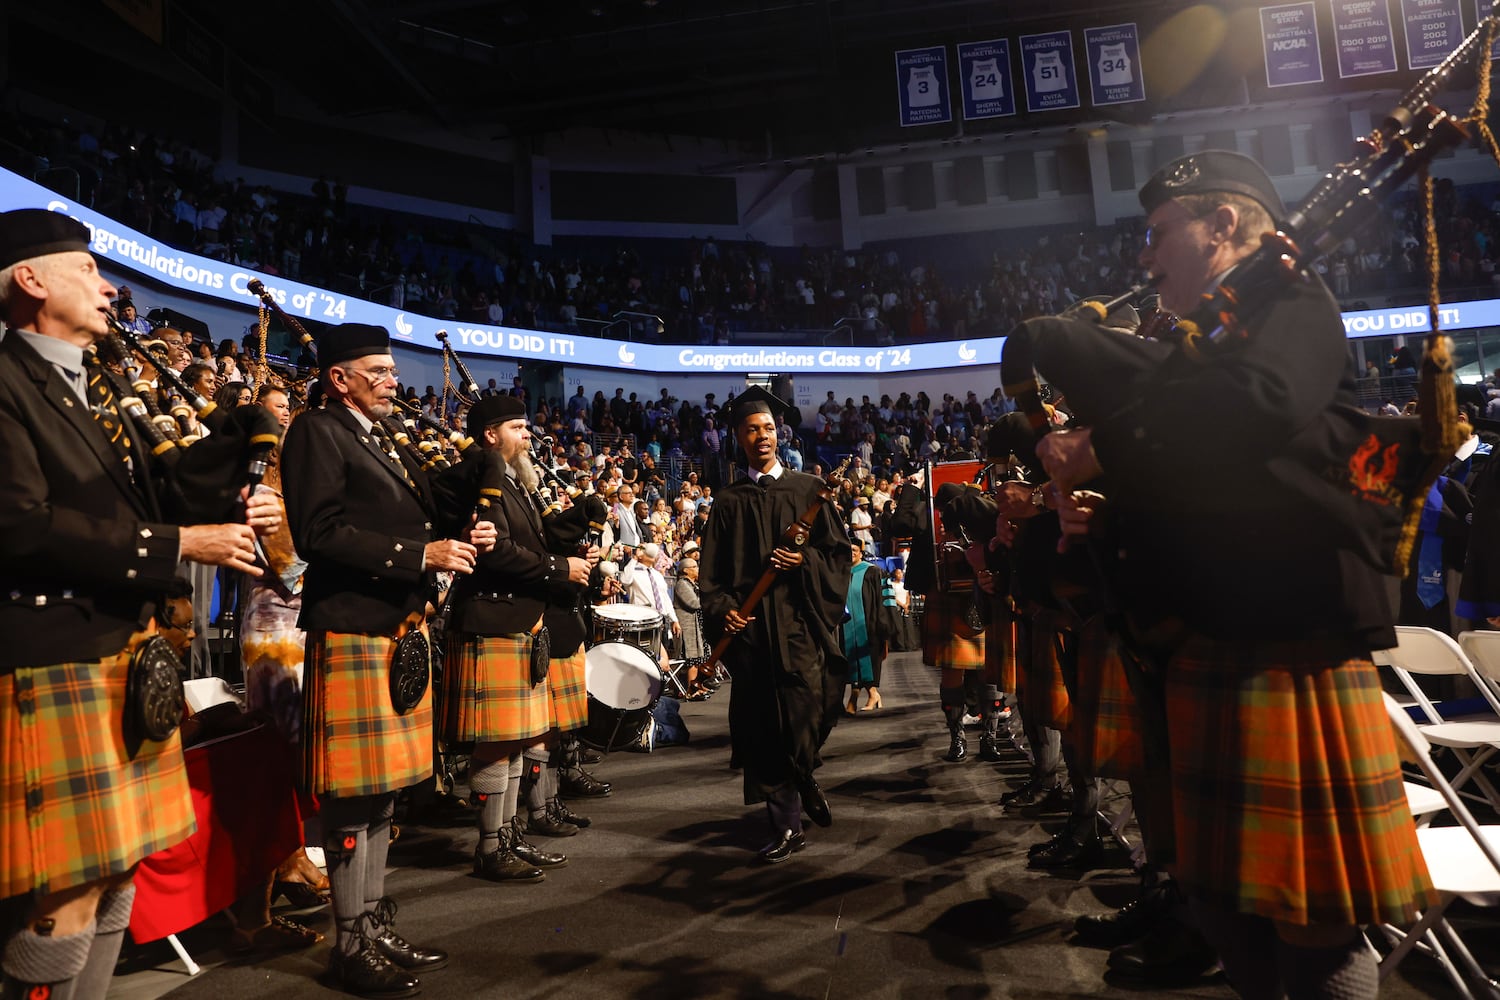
{"x": 918, "y": 890}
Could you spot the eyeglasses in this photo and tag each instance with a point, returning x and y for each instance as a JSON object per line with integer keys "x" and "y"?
{"x": 1154, "y": 233}
{"x": 378, "y": 375}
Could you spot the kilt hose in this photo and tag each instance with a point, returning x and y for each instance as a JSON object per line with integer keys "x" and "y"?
{"x": 566, "y": 682}
{"x": 75, "y": 807}
{"x": 1042, "y": 696}
{"x": 353, "y": 741}
{"x": 487, "y": 694}
{"x": 1286, "y": 786}
{"x": 1106, "y": 723}
{"x": 942, "y": 646}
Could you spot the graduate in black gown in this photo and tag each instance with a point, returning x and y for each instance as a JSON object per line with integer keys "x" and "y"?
{"x": 788, "y": 669}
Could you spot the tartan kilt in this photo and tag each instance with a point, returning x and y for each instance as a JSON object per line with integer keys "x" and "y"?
{"x": 1042, "y": 696}
{"x": 1106, "y": 724}
{"x": 570, "y": 697}
{"x": 1286, "y": 785}
{"x": 942, "y": 646}
{"x": 1000, "y": 647}
{"x": 353, "y": 741}
{"x": 487, "y": 692}
{"x": 95, "y": 810}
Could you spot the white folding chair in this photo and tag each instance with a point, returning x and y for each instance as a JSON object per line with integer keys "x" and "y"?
{"x": 1464, "y": 862}
{"x": 1483, "y": 651}
{"x": 1473, "y": 740}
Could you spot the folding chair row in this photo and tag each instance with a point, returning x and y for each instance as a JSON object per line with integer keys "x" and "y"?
{"x": 1473, "y": 740}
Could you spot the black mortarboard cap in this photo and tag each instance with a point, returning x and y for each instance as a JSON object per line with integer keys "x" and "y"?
{"x": 494, "y": 410}
{"x": 757, "y": 400}
{"x": 1212, "y": 171}
{"x": 35, "y": 232}
{"x": 352, "y": 340}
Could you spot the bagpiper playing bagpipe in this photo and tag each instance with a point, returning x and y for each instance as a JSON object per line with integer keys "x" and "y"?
{"x": 1251, "y": 510}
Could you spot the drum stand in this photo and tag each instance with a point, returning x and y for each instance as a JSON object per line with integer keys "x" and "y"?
{"x": 673, "y": 666}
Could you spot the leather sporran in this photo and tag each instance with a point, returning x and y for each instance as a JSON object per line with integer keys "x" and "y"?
{"x": 153, "y": 692}
{"x": 541, "y": 655}
{"x": 411, "y": 668}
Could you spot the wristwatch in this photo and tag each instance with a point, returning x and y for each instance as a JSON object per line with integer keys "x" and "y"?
{"x": 1037, "y": 499}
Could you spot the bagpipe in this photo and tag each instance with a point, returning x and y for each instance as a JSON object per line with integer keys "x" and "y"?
{"x": 203, "y": 475}
{"x": 1367, "y": 475}
{"x": 265, "y": 375}
{"x": 572, "y": 519}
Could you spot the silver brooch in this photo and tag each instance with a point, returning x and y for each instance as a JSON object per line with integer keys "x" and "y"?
{"x": 1181, "y": 175}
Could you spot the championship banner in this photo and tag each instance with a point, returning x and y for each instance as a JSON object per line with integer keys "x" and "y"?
{"x": 1113, "y": 55}
{"x": 922, "y": 86}
{"x": 984, "y": 75}
{"x": 1433, "y": 29}
{"x": 1482, "y": 10}
{"x": 1289, "y": 34}
{"x": 1362, "y": 32}
{"x": 1047, "y": 66}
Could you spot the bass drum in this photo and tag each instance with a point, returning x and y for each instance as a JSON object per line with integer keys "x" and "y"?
{"x": 623, "y": 684}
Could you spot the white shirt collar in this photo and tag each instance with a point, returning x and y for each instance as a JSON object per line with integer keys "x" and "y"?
{"x": 774, "y": 472}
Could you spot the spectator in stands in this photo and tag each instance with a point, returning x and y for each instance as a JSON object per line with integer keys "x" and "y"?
{"x": 139, "y": 324}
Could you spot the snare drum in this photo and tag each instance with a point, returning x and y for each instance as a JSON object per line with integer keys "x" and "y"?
{"x": 633, "y": 623}
{"x": 623, "y": 683}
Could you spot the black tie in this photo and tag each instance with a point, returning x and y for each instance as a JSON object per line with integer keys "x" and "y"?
{"x": 765, "y": 481}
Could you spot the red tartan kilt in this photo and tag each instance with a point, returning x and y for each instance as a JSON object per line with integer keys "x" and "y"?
{"x": 96, "y": 810}
{"x": 353, "y": 741}
{"x": 1286, "y": 786}
{"x": 1106, "y": 725}
{"x": 942, "y": 646}
{"x": 570, "y": 697}
{"x": 487, "y": 693}
{"x": 1041, "y": 694}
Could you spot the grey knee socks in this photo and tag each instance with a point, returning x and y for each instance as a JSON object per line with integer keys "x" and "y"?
{"x": 488, "y": 779}
{"x": 33, "y": 959}
{"x": 111, "y": 920}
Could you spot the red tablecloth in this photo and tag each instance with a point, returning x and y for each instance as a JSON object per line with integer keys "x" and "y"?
{"x": 248, "y": 823}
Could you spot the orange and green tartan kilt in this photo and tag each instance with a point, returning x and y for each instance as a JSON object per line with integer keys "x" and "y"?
{"x": 942, "y": 645}
{"x": 1000, "y": 647}
{"x": 75, "y": 807}
{"x": 1041, "y": 694}
{"x": 1106, "y": 724}
{"x": 487, "y": 692}
{"x": 1286, "y": 786}
{"x": 570, "y": 697}
{"x": 353, "y": 741}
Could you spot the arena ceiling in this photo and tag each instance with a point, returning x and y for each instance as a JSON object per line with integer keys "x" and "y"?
{"x": 783, "y": 77}
{"x": 768, "y": 78}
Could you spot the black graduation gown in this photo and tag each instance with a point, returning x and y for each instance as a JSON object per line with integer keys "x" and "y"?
{"x": 789, "y": 672}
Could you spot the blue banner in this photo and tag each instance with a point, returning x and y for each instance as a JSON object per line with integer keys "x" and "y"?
{"x": 1433, "y": 29}
{"x": 1482, "y": 10}
{"x": 1362, "y": 32}
{"x": 193, "y": 274}
{"x": 1047, "y": 65}
{"x": 984, "y": 75}
{"x": 1289, "y": 34}
{"x": 922, "y": 86}
{"x": 1113, "y": 55}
